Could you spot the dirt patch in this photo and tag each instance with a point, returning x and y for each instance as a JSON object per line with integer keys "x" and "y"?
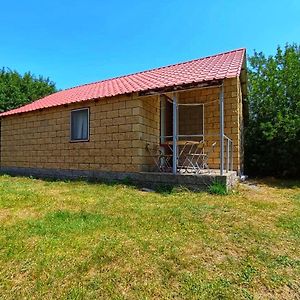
{"x": 8, "y": 215}
{"x": 4, "y": 214}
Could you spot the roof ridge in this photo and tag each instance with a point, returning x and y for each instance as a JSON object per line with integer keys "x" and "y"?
{"x": 154, "y": 69}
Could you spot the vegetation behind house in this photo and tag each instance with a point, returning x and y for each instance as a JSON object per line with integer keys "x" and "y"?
{"x": 17, "y": 90}
{"x": 272, "y": 135}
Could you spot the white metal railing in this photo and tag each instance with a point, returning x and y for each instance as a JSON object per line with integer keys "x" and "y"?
{"x": 229, "y": 153}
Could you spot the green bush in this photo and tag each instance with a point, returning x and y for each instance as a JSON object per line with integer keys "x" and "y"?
{"x": 217, "y": 188}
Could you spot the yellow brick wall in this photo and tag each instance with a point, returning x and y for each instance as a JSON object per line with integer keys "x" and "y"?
{"x": 150, "y": 129}
{"x": 41, "y": 139}
{"x": 120, "y": 128}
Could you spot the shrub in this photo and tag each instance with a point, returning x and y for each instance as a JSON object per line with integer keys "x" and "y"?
{"x": 217, "y": 188}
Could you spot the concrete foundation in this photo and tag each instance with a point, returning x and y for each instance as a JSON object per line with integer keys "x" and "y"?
{"x": 144, "y": 179}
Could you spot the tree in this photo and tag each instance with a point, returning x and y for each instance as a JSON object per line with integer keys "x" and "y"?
{"x": 17, "y": 90}
{"x": 272, "y": 133}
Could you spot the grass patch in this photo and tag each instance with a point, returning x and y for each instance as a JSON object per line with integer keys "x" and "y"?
{"x": 65, "y": 223}
{"x": 81, "y": 240}
{"x": 217, "y": 188}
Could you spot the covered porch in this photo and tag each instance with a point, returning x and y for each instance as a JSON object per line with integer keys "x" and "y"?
{"x": 199, "y": 130}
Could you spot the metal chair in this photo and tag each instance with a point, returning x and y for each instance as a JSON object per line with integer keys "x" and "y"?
{"x": 197, "y": 158}
{"x": 188, "y": 154}
{"x": 162, "y": 160}
{"x": 206, "y": 156}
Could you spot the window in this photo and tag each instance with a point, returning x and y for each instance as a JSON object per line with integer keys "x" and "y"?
{"x": 191, "y": 119}
{"x": 80, "y": 125}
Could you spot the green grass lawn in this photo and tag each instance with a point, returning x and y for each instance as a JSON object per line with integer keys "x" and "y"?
{"x": 78, "y": 240}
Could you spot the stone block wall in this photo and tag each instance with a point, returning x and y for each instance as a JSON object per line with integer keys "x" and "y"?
{"x": 41, "y": 139}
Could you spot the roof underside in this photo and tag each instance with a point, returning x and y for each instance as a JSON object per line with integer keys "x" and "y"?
{"x": 216, "y": 67}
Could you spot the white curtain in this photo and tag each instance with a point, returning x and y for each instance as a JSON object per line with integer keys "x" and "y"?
{"x": 79, "y": 125}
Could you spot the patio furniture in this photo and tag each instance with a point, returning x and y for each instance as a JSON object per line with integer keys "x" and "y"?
{"x": 192, "y": 156}
{"x": 187, "y": 154}
{"x": 197, "y": 158}
{"x": 184, "y": 147}
{"x": 163, "y": 161}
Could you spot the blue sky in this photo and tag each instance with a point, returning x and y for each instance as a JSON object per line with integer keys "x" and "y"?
{"x": 76, "y": 42}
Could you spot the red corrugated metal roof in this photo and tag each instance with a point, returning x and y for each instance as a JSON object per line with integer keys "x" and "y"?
{"x": 215, "y": 67}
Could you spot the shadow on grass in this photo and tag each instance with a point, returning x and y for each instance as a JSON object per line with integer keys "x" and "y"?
{"x": 163, "y": 189}
{"x": 280, "y": 183}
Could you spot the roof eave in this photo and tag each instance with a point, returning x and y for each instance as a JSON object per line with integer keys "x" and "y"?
{"x": 180, "y": 87}
{"x": 244, "y": 78}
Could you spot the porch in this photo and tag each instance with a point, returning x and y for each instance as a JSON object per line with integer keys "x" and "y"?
{"x": 198, "y": 133}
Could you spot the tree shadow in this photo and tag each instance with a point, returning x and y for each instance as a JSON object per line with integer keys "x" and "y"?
{"x": 280, "y": 183}
{"x": 162, "y": 189}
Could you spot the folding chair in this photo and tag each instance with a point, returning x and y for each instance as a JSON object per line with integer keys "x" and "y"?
{"x": 198, "y": 159}
{"x": 193, "y": 151}
{"x": 205, "y": 157}
{"x": 162, "y": 160}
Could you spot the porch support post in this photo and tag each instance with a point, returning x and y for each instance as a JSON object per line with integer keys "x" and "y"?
{"x": 174, "y": 133}
{"x": 162, "y": 119}
{"x": 227, "y": 154}
{"x": 231, "y": 164}
{"x": 222, "y": 129}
